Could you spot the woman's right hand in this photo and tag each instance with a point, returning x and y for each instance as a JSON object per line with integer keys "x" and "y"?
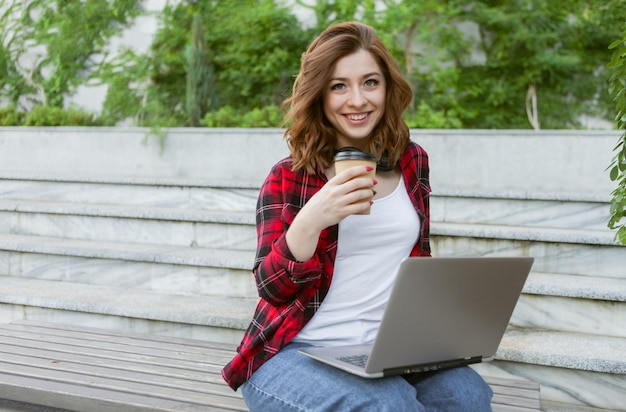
{"x": 349, "y": 192}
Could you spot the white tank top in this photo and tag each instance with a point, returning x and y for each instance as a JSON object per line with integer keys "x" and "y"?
{"x": 369, "y": 251}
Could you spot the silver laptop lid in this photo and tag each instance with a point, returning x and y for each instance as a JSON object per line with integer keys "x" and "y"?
{"x": 444, "y": 309}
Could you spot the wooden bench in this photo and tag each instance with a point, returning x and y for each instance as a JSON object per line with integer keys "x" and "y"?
{"x": 92, "y": 370}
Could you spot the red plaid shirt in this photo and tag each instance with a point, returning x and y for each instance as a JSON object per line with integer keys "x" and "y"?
{"x": 292, "y": 291}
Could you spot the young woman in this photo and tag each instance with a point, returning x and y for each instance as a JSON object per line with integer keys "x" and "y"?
{"x": 323, "y": 270}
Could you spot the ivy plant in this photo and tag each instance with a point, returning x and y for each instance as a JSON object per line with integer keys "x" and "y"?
{"x": 50, "y": 47}
{"x": 617, "y": 90}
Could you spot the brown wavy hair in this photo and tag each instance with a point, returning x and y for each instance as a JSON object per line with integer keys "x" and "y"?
{"x": 310, "y": 136}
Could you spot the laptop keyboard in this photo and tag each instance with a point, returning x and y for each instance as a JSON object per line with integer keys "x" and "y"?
{"x": 356, "y": 360}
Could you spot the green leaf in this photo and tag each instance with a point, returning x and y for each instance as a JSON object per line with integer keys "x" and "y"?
{"x": 616, "y": 43}
{"x": 614, "y": 174}
{"x": 621, "y": 235}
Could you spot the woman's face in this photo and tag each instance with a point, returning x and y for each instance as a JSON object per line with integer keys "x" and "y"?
{"x": 354, "y": 99}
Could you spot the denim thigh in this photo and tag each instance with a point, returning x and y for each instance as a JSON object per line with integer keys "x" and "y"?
{"x": 455, "y": 389}
{"x": 290, "y": 381}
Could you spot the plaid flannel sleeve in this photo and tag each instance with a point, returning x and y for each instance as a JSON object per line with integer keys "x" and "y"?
{"x": 279, "y": 277}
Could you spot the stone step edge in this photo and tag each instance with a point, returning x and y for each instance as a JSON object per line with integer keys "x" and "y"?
{"x": 518, "y": 195}
{"x": 239, "y": 184}
{"x": 570, "y": 350}
{"x": 547, "y": 235}
{"x": 129, "y": 211}
{"x": 215, "y": 311}
{"x": 576, "y": 286}
{"x": 531, "y": 346}
{"x": 151, "y": 253}
{"x": 549, "y": 406}
{"x": 592, "y": 237}
{"x": 546, "y": 284}
{"x": 128, "y": 180}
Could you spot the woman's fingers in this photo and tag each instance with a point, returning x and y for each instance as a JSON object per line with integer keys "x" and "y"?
{"x": 349, "y": 192}
{"x": 351, "y": 173}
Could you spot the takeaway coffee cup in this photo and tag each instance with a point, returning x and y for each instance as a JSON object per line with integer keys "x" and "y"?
{"x": 348, "y": 157}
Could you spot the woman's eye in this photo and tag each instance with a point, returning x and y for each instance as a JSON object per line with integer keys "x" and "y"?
{"x": 338, "y": 86}
{"x": 371, "y": 82}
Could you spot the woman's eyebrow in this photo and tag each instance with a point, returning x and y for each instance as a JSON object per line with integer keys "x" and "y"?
{"x": 343, "y": 79}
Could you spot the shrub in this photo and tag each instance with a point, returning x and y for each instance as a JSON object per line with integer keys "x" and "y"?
{"x": 425, "y": 117}
{"x": 226, "y": 116}
{"x": 56, "y": 116}
{"x": 268, "y": 116}
{"x": 10, "y": 116}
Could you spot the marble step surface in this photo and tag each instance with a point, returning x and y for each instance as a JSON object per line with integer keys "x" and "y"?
{"x": 227, "y": 272}
{"x": 572, "y": 368}
{"x": 193, "y": 270}
{"x": 174, "y": 314}
{"x": 548, "y": 406}
{"x": 520, "y": 209}
{"x": 174, "y": 193}
{"x": 228, "y": 229}
{"x": 573, "y": 303}
{"x": 242, "y": 259}
{"x": 573, "y": 252}
{"x": 556, "y": 250}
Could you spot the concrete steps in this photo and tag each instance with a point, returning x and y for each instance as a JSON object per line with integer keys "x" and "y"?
{"x": 573, "y": 369}
{"x": 164, "y": 244}
{"x": 228, "y": 229}
{"x": 179, "y": 193}
{"x": 207, "y": 317}
{"x": 164, "y": 268}
{"x": 529, "y": 210}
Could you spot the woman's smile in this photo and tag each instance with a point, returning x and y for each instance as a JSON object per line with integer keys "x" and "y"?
{"x": 357, "y": 117}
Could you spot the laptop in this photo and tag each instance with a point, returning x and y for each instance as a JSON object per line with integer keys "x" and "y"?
{"x": 442, "y": 313}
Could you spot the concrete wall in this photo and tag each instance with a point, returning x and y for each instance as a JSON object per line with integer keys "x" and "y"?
{"x": 568, "y": 163}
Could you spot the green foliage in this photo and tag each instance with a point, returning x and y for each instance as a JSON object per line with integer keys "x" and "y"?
{"x": 47, "y": 116}
{"x": 200, "y": 90}
{"x": 51, "y": 47}
{"x": 11, "y": 81}
{"x": 254, "y": 54}
{"x": 10, "y": 116}
{"x": 617, "y": 90}
{"x": 268, "y": 116}
{"x": 431, "y": 42}
{"x": 425, "y": 117}
{"x": 472, "y": 64}
{"x": 127, "y": 88}
{"x": 330, "y": 11}
{"x": 227, "y": 116}
{"x": 532, "y": 50}
{"x": 56, "y": 116}
{"x": 485, "y": 59}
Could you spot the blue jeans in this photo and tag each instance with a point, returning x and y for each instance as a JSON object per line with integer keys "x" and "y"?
{"x": 291, "y": 381}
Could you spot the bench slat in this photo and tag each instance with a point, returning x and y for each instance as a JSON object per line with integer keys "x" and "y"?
{"x": 200, "y": 364}
{"x": 121, "y": 381}
{"x": 210, "y": 374}
{"x": 64, "y": 366}
{"x": 183, "y": 353}
{"x": 83, "y": 398}
{"x": 106, "y": 335}
{"x": 46, "y": 368}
